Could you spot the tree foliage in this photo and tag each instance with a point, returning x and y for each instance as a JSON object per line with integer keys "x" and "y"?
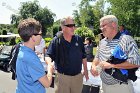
{"x": 86, "y": 15}
{"x": 34, "y": 10}
{"x": 89, "y": 15}
{"x": 128, "y": 13}
{"x": 84, "y": 32}
{"x": 77, "y": 18}
{"x": 99, "y": 11}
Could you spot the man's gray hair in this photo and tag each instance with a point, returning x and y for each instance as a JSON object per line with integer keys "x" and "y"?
{"x": 63, "y": 21}
{"x": 110, "y": 18}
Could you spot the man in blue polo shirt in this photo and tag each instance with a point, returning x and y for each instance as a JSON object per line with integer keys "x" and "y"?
{"x": 68, "y": 53}
{"x": 31, "y": 76}
{"x": 123, "y": 30}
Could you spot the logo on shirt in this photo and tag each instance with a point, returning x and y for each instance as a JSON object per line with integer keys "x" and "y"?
{"x": 76, "y": 44}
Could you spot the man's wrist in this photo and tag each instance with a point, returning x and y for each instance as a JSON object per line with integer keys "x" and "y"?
{"x": 113, "y": 66}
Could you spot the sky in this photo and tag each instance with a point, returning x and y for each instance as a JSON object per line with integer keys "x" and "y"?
{"x": 61, "y": 8}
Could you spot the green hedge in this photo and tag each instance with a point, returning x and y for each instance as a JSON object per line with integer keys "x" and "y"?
{"x": 47, "y": 41}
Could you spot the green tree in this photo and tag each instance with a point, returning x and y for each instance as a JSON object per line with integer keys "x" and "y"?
{"x": 86, "y": 13}
{"x": 128, "y": 13}
{"x": 56, "y": 27}
{"x": 84, "y": 32}
{"x": 34, "y": 10}
{"x": 15, "y": 19}
{"x": 99, "y": 11}
{"x": 89, "y": 15}
{"x": 77, "y": 18}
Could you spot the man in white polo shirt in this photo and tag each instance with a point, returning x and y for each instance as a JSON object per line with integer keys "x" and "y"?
{"x": 40, "y": 49}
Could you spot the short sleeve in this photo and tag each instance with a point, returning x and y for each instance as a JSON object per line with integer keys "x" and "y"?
{"x": 51, "y": 49}
{"x": 130, "y": 47}
{"x": 35, "y": 68}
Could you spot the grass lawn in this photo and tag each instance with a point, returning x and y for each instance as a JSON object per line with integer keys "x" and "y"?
{"x": 94, "y": 50}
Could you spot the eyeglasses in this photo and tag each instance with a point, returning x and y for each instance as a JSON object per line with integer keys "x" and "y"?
{"x": 37, "y": 34}
{"x": 70, "y": 25}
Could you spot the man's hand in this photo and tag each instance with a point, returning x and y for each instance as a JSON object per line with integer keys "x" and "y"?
{"x": 96, "y": 67}
{"x": 48, "y": 60}
{"x": 50, "y": 68}
{"x": 94, "y": 71}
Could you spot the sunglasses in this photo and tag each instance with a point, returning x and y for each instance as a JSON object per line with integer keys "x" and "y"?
{"x": 37, "y": 34}
{"x": 70, "y": 25}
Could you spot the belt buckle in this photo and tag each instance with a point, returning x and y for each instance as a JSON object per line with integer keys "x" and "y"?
{"x": 120, "y": 82}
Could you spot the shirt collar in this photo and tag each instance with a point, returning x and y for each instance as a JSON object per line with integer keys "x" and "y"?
{"x": 117, "y": 35}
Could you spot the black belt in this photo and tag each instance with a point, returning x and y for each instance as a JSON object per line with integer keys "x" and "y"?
{"x": 69, "y": 74}
{"x": 91, "y": 89}
{"x": 120, "y": 82}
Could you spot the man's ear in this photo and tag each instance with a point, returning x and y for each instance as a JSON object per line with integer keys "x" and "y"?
{"x": 114, "y": 24}
{"x": 32, "y": 38}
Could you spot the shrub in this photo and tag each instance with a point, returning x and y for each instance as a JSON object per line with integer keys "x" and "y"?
{"x": 47, "y": 41}
{"x": 84, "y": 32}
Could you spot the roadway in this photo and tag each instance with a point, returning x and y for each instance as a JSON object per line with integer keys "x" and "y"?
{"x": 7, "y": 85}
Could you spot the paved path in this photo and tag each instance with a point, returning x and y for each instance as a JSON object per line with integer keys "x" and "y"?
{"x": 137, "y": 82}
{"x": 7, "y": 85}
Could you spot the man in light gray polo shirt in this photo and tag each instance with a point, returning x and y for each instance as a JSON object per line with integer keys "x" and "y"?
{"x": 111, "y": 84}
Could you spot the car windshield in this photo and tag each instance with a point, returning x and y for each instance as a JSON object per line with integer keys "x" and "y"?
{"x": 6, "y": 50}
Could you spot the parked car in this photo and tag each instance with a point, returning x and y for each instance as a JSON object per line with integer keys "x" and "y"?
{"x": 5, "y": 57}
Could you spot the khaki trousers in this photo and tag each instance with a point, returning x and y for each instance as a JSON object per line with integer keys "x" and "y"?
{"x": 68, "y": 84}
{"x": 118, "y": 88}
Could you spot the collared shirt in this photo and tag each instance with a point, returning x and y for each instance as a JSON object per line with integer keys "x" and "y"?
{"x": 29, "y": 69}
{"x": 75, "y": 54}
{"x": 128, "y": 46}
{"x": 40, "y": 48}
{"x": 126, "y": 32}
